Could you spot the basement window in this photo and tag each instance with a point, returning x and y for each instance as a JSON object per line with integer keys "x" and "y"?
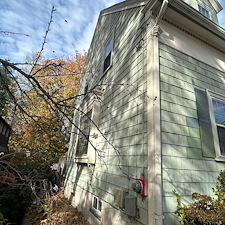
{"x": 96, "y": 206}
{"x": 203, "y": 11}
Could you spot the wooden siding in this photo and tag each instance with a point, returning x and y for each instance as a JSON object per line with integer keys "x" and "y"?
{"x": 184, "y": 168}
{"x": 123, "y": 149}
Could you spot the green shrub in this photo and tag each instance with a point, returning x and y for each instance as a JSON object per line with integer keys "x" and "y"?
{"x": 2, "y": 219}
{"x": 14, "y": 202}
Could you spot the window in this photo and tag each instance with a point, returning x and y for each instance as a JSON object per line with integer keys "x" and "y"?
{"x": 83, "y": 138}
{"x": 219, "y": 115}
{"x": 108, "y": 55}
{"x": 203, "y": 11}
{"x": 211, "y": 119}
{"x": 88, "y": 128}
{"x": 96, "y": 207}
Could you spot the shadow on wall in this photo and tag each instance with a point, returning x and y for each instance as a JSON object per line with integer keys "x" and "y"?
{"x": 123, "y": 119}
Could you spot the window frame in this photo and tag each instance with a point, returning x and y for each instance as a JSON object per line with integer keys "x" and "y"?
{"x": 95, "y": 210}
{"x": 89, "y": 118}
{"x": 90, "y": 102}
{"x": 202, "y": 9}
{"x": 217, "y": 97}
{"x": 110, "y": 39}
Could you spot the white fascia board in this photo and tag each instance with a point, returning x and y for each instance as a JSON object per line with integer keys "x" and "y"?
{"x": 117, "y": 8}
{"x": 124, "y": 6}
{"x": 216, "y": 5}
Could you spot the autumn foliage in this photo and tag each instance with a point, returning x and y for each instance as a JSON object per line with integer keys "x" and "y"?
{"x": 44, "y": 123}
{"x": 205, "y": 209}
{"x": 57, "y": 210}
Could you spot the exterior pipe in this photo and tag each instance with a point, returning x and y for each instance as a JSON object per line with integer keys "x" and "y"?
{"x": 162, "y": 11}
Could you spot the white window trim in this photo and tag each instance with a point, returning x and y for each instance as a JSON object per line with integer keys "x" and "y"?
{"x": 91, "y": 101}
{"x": 111, "y": 38}
{"x": 218, "y": 97}
{"x": 95, "y": 211}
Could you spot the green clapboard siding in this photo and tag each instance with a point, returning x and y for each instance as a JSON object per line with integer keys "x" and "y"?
{"x": 188, "y": 154}
{"x": 122, "y": 144}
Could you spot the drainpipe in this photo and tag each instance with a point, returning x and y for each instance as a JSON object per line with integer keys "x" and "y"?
{"x": 162, "y": 11}
{"x": 155, "y": 209}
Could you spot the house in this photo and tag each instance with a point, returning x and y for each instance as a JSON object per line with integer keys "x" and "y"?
{"x": 151, "y": 112}
{"x": 5, "y": 131}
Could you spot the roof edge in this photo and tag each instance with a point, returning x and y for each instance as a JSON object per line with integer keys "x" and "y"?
{"x": 125, "y": 5}
{"x": 216, "y": 5}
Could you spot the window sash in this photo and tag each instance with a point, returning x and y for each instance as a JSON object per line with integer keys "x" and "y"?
{"x": 108, "y": 55}
{"x": 216, "y": 98}
{"x": 83, "y": 138}
{"x": 221, "y": 138}
{"x": 203, "y": 11}
{"x": 96, "y": 206}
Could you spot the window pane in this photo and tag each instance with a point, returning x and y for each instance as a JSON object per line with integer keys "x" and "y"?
{"x": 108, "y": 51}
{"x": 95, "y": 203}
{"x": 107, "y": 62}
{"x": 203, "y": 11}
{"x": 109, "y": 48}
{"x": 83, "y": 139}
{"x": 100, "y": 206}
{"x": 221, "y": 135}
{"x": 219, "y": 112}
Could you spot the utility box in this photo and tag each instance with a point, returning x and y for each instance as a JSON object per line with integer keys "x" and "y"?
{"x": 119, "y": 197}
{"x": 130, "y": 205}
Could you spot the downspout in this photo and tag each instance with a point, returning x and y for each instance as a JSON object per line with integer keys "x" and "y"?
{"x": 155, "y": 208}
{"x": 162, "y": 11}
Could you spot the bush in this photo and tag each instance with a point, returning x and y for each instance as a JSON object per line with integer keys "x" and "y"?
{"x": 23, "y": 181}
{"x": 2, "y": 219}
{"x": 205, "y": 209}
{"x": 14, "y": 202}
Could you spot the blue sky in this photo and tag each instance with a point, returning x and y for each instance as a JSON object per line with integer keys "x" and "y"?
{"x": 221, "y": 14}
{"x": 31, "y": 17}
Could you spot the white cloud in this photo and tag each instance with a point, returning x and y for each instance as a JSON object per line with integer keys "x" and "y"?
{"x": 32, "y": 17}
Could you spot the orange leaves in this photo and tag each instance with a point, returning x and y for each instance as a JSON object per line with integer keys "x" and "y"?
{"x": 61, "y": 78}
{"x": 48, "y": 108}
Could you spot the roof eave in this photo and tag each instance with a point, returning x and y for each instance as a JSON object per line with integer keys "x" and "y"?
{"x": 216, "y": 5}
{"x": 125, "y": 5}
